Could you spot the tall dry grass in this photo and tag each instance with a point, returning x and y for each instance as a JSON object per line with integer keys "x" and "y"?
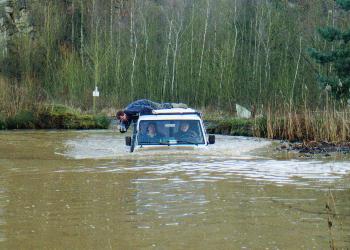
{"x": 330, "y": 124}
{"x": 16, "y": 97}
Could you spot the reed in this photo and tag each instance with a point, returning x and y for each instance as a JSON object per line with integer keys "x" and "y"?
{"x": 14, "y": 97}
{"x": 329, "y": 125}
{"x": 287, "y": 122}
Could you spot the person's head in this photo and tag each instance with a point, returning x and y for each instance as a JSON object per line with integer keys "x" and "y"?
{"x": 151, "y": 128}
{"x": 121, "y": 116}
{"x": 184, "y": 126}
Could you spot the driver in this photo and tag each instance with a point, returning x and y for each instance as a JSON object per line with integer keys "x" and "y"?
{"x": 185, "y": 133}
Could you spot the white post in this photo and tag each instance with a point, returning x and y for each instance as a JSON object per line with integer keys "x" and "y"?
{"x": 95, "y": 94}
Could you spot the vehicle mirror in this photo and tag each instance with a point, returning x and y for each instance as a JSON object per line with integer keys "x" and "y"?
{"x": 122, "y": 128}
{"x": 211, "y": 139}
{"x": 128, "y": 141}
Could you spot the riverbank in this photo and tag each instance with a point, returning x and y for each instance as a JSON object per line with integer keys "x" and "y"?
{"x": 315, "y": 148}
{"x": 303, "y": 132}
{"x": 307, "y": 133}
{"x": 54, "y": 117}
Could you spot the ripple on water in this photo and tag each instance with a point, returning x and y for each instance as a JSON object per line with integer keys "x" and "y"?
{"x": 229, "y": 157}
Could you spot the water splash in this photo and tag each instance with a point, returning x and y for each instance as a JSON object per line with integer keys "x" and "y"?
{"x": 228, "y": 158}
{"x": 104, "y": 146}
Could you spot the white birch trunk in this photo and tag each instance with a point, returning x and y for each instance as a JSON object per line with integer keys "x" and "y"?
{"x": 236, "y": 33}
{"x": 111, "y": 23}
{"x": 146, "y": 46}
{"x": 134, "y": 45}
{"x": 296, "y": 69}
{"x": 203, "y": 44}
{"x": 72, "y": 22}
{"x": 82, "y": 32}
{"x": 267, "y": 49}
{"x": 174, "y": 59}
{"x": 167, "y": 59}
{"x": 202, "y": 53}
{"x": 192, "y": 20}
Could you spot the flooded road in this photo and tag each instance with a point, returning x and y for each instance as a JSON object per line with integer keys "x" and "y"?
{"x": 83, "y": 190}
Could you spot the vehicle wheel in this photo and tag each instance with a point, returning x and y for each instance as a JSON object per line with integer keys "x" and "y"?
{"x": 211, "y": 139}
{"x": 132, "y": 146}
{"x": 127, "y": 140}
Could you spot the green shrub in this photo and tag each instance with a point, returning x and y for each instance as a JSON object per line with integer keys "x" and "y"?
{"x": 241, "y": 127}
{"x": 2, "y": 121}
{"x": 22, "y": 120}
{"x": 260, "y": 126}
{"x": 102, "y": 121}
{"x": 232, "y": 126}
{"x": 62, "y": 117}
{"x": 60, "y": 109}
{"x": 54, "y": 117}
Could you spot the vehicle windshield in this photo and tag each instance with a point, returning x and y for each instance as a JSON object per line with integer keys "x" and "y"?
{"x": 167, "y": 132}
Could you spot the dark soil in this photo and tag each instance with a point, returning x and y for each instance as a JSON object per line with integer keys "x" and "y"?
{"x": 313, "y": 147}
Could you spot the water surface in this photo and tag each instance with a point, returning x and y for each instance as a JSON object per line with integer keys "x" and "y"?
{"x": 83, "y": 190}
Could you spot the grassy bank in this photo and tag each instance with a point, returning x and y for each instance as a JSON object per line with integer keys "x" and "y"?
{"x": 231, "y": 126}
{"x": 295, "y": 125}
{"x": 53, "y": 117}
{"x": 329, "y": 125}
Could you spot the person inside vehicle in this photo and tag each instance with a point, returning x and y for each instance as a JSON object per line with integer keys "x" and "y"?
{"x": 185, "y": 134}
{"x": 151, "y": 134}
{"x": 131, "y": 113}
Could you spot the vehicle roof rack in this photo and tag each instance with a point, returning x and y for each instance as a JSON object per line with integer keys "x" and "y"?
{"x": 174, "y": 111}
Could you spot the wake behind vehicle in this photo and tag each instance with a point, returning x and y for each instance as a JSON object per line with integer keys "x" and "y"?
{"x": 176, "y": 127}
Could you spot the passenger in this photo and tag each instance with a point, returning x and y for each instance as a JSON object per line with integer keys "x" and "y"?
{"x": 185, "y": 134}
{"x": 152, "y": 134}
{"x": 131, "y": 113}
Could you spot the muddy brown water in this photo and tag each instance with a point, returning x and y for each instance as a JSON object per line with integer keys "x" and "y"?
{"x": 83, "y": 190}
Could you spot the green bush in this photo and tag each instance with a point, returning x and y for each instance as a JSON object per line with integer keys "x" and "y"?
{"x": 260, "y": 127}
{"x": 241, "y": 127}
{"x": 102, "y": 121}
{"x": 2, "y": 121}
{"x": 60, "y": 109}
{"x": 54, "y": 117}
{"x": 22, "y": 120}
{"x": 232, "y": 126}
{"x": 62, "y": 117}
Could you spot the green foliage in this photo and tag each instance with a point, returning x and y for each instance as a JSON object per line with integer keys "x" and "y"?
{"x": 22, "y": 120}
{"x": 344, "y": 4}
{"x": 330, "y": 33}
{"x": 260, "y": 127}
{"x": 2, "y": 121}
{"x": 321, "y": 58}
{"x": 336, "y": 81}
{"x": 102, "y": 121}
{"x": 231, "y": 126}
{"x": 214, "y": 55}
{"x": 63, "y": 117}
{"x": 54, "y": 117}
{"x": 59, "y": 109}
{"x": 346, "y": 36}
